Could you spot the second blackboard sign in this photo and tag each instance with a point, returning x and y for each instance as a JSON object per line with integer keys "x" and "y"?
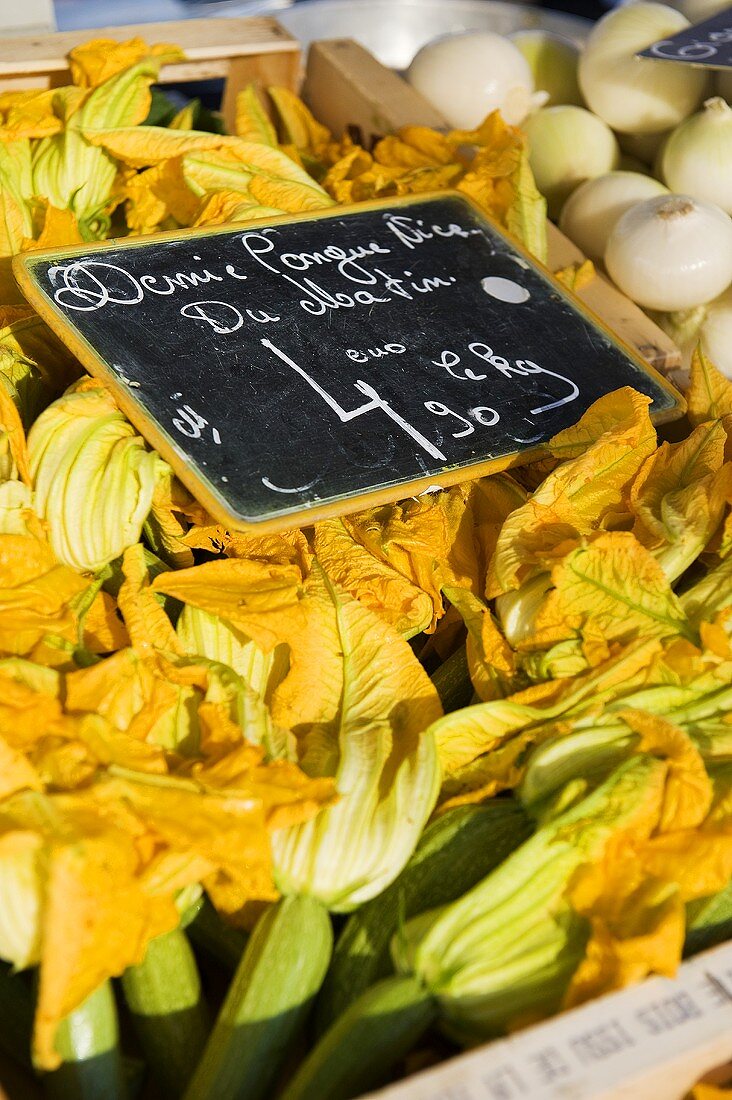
{"x": 295, "y": 369}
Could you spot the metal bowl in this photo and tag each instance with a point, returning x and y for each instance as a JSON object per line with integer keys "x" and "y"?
{"x": 393, "y": 30}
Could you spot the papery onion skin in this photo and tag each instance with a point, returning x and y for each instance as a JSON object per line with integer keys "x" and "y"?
{"x": 568, "y": 145}
{"x": 639, "y": 96}
{"x": 591, "y": 211}
{"x": 696, "y": 11}
{"x": 466, "y": 76}
{"x": 697, "y": 158}
{"x": 671, "y": 252}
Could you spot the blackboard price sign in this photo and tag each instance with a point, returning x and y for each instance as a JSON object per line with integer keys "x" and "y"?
{"x": 298, "y": 368}
{"x": 708, "y": 44}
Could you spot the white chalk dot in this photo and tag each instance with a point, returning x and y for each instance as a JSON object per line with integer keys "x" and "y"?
{"x": 505, "y": 290}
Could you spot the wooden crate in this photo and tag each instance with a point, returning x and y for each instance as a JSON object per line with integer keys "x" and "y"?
{"x": 237, "y": 50}
{"x": 348, "y": 89}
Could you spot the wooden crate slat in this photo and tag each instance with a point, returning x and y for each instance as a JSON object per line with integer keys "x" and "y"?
{"x": 200, "y": 39}
{"x": 346, "y": 86}
{"x": 238, "y": 50}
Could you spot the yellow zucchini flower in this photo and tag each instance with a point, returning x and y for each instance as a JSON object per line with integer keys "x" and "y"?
{"x": 334, "y": 692}
{"x": 94, "y": 479}
{"x": 384, "y": 764}
{"x": 506, "y": 951}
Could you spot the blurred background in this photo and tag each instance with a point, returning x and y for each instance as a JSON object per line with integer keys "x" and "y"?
{"x": 392, "y": 29}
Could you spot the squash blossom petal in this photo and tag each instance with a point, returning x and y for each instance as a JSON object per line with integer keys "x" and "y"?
{"x": 71, "y": 172}
{"x": 16, "y": 508}
{"x": 216, "y": 639}
{"x": 205, "y": 635}
{"x": 518, "y": 608}
{"x": 22, "y": 875}
{"x": 94, "y": 479}
{"x": 375, "y": 703}
{"x": 99, "y": 831}
{"x": 342, "y": 722}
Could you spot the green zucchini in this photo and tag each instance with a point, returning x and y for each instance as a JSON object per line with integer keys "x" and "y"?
{"x": 455, "y": 851}
{"x": 708, "y": 921}
{"x": 169, "y": 1013}
{"x": 363, "y": 1045}
{"x": 209, "y": 934}
{"x": 88, "y": 1042}
{"x": 270, "y": 996}
{"x": 452, "y": 680}
{"x": 16, "y": 1015}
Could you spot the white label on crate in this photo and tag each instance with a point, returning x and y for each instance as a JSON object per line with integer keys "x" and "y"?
{"x": 608, "y": 1047}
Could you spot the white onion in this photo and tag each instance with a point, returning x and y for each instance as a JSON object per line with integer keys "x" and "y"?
{"x": 697, "y": 158}
{"x": 696, "y": 11}
{"x": 671, "y": 252}
{"x": 568, "y": 145}
{"x": 466, "y": 76}
{"x": 553, "y": 62}
{"x": 710, "y": 325}
{"x": 638, "y": 95}
{"x": 591, "y": 211}
{"x": 716, "y": 332}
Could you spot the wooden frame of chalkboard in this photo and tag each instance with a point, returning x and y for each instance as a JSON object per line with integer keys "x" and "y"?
{"x": 388, "y": 442}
